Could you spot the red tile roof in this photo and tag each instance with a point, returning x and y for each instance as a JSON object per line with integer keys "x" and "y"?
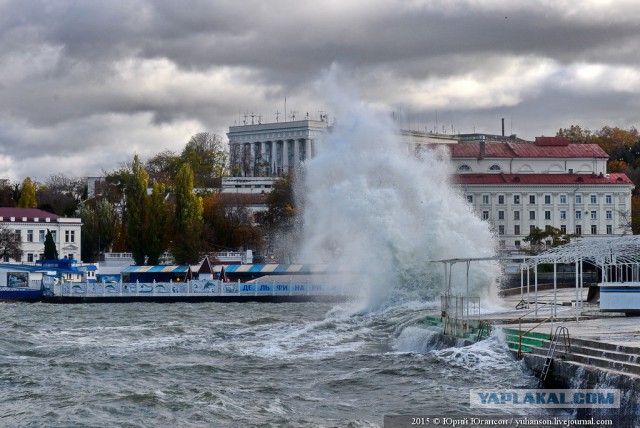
{"x": 529, "y": 179}
{"x": 526, "y": 150}
{"x": 30, "y": 213}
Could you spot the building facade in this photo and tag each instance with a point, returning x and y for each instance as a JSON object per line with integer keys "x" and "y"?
{"x": 32, "y": 225}
{"x": 547, "y": 183}
{"x": 513, "y": 184}
{"x": 272, "y": 149}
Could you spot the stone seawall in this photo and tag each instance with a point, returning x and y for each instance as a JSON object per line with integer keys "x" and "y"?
{"x": 571, "y": 375}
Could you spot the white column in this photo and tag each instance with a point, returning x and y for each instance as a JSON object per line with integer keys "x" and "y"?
{"x": 285, "y": 156}
{"x": 307, "y": 149}
{"x": 296, "y": 153}
{"x": 252, "y": 159}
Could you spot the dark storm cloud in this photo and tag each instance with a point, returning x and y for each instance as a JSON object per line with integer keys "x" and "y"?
{"x": 144, "y": 75}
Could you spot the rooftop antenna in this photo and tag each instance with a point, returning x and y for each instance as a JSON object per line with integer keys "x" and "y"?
{"x": 277, "y": 116}
{"x": 307, "y": 116}
{"x": 244, "y": 122}
{"x": 260, "y": 120}
{"x": 293, "y": 115}
{"x": 252, "y": 116}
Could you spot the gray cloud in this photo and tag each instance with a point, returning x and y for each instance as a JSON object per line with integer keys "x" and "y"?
{"x": 111, "y": 77}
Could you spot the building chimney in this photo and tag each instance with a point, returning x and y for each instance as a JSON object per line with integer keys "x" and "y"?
{"x": 503, "y": 126}
{"x": 482, "y": 149}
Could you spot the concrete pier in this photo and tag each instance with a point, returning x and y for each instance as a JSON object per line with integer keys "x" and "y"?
{"x": 604, "y": 349}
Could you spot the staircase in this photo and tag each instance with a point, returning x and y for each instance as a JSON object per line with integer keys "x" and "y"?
{"x": 591, "y": 354}
{"x": 530, "y": 341}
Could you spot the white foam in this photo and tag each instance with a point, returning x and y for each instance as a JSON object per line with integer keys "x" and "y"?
{"x": 374, "y": 208}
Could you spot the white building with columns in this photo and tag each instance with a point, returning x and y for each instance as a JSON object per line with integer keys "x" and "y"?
{"x": 271, "y": 149}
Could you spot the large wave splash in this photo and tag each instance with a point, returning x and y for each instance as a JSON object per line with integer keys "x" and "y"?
{"x": 374, "y": 209}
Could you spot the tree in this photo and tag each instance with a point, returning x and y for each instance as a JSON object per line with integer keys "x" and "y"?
{"x": 188, "y": 219}
{"x": 556, "y": 236}
{"x": 10, "y": 244}
{"x": 50, "y": 249}
{"x": 156, "y": 224}
{"x": 163, "y": 167}
{"x": 575, "y": 134}
{"x": 99, "y": 228}
{"x": 61, "y": 194}
{"x": 136, "y": 206}
{"x": 207, "y": 158}
{"x": 27, "y": 194}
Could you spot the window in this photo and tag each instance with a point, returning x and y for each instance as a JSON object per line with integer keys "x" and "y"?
{"x": 609, "y": 215}
{"x": 532, "y": 199}
{"x": 532, "y": 228}
{"x": 470, "y": 199}
{"x": 563, "y": 199}
{"x": 69, "y": 236}
{"x": 30, "y": 237}
{"x": 516, "y": 215}
{"x": 563, "y": 228}
{"x": 578, "y": 198}
{"x": 485, "y": 199}
{"x": 41, "y": 235}
{"x": 594, "y": 229}
{"x": 547, "y": 199}
{"x": 30, "y": 257}
{"x": 608, "y": 199}
{"x": 500, "y": 215}
{"x": 517, "y": 243}
{"x": 464, "y": 168}
{"x": 501, "y": 229}
{"x": 578, "y": 215}
{"x": 594, "y": 215}
{"x": 609, "y": 229}
{"x": 500, "y": 199}
{"x": 594, "y": 199}
{"x": 495, "y": 167}
{"x": 18, "y": 235}
{"x": 516, "y": 199}
{"x": 516, "y": 229}
{"x": 485, "y": 215}
{"x": 532, "y": 215}
{"x": 547, "y": 215}
{"x": 563, "y": 215}
{"x": 578, "y": 230}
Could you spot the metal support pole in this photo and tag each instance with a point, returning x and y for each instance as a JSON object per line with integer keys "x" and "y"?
{"x": 536, "y": 285}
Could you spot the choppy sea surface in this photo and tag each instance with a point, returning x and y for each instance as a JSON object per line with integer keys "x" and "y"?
{"x": 235, "y": 365}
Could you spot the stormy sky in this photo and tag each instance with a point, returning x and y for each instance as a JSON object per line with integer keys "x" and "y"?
{"x": 86, "y": 84}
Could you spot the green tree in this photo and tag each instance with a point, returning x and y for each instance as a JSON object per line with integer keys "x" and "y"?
{"x": 207, "y": 158}
{"x": 156, "y": 224}
{"x": 99, "y": 228}
{"x": 188, "y": 219}
{"x": 553, "y": 235}
{"x": 50, "y": 249}
{"x": 163, "y": 167}
{"x": 10, "y": 244}
{"x": 28, "y": 194}
{"x": 136, "y": 207}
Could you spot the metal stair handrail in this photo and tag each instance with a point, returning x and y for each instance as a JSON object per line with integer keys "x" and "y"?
{"x": 561, "y": 331}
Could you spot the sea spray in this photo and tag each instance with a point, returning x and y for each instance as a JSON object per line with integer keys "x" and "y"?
{"x": 374, "y": 208}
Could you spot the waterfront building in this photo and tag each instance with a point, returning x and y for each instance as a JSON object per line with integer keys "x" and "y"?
{"x": 32, "y": 225}
{"x": 512, "y": 183}
{"x": 548, "y": 183}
